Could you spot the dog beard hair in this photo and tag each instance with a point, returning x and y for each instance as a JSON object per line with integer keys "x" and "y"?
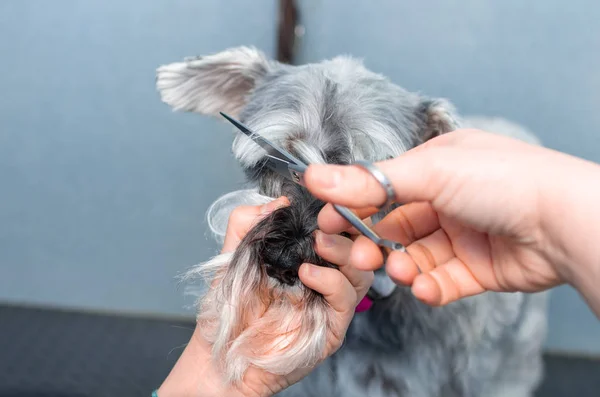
{"x": 257, "y": 312}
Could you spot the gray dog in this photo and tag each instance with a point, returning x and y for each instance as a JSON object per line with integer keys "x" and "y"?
{"x": 256, "y": 311}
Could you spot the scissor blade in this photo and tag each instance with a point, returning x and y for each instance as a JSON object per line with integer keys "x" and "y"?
{"x": 278, "y": 159}
{"x": 263, "y": 142}
{"x": 238, "y": 125}
{"x": 366, "y": 230}
{"x": 357, "y": 223}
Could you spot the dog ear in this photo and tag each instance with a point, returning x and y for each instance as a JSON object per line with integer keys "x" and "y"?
{"x": 214, "y": 83}
{"x": 439, "y": 117}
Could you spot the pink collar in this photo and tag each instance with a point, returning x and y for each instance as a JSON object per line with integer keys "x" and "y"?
{"x": 364, "y": 305}
{"x": 383, "y": 290}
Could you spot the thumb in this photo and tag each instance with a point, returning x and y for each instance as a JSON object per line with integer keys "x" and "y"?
{"x": 243, "y": 218}
{"x": 415, "y": 176}
{"x": 332, "y": 284}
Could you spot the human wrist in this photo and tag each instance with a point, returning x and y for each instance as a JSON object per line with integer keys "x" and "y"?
{"x": 194, "y": 375}
{"x": 571, "y": 221}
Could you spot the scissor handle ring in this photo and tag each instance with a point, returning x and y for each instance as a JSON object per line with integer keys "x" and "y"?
{"x": 382, "y": 179}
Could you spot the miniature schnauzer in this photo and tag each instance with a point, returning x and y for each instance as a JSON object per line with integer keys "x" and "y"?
{"x": 256, "y": 312}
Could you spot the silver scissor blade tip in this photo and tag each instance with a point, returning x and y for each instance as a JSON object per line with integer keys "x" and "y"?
{"x": 234, "y": 122}
{"x": 229, "y": 118}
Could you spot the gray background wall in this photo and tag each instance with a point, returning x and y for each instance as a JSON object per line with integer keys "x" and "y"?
{"x": 104, "y": 189}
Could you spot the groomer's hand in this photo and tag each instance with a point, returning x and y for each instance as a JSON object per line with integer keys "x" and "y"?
{"x": 194, "y": 374}
{"x": 483, "y": 212}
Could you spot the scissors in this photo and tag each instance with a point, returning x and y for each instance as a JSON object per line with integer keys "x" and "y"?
{"x": 285, "y": 164}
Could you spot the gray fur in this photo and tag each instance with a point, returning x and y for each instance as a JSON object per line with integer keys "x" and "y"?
{"x": 338, "y": 112}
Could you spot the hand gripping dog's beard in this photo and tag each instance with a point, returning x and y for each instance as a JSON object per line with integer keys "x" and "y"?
{"x": 256, "y": 311}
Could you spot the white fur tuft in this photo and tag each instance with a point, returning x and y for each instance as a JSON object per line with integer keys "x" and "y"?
{"x": 251, "y": 320}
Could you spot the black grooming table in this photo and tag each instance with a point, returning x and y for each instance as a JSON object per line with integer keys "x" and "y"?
{"x": 53, "y": 353}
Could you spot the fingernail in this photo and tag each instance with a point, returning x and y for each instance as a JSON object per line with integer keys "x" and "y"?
{"x": 327, "y": 178}
{"x": 325, "y": 240}
{"x": 314, "y": 271}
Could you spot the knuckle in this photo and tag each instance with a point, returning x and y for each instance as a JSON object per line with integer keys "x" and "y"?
{"x": 404, "y": 224}
{"x": 422, "y": 256}
{"x": 238, "y": 215}
{"x": 235, "y": 215}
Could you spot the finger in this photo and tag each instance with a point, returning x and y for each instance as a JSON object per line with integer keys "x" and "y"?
{"x": 417, "y": 175}
{"x": 366, "y": 255}
{"x": 336, "y": 249}
{"x": 474, "y": 248}
{"x": 408, "y": 223}
{"x": 354, "y": 231}
{"x": 431, "y": 251}
{"x": 422, "y": 256}
{"x": 331, "y": 222}
{"x": 446, "y": 283}
{"x": 404, "y": 224}
{"x": 401, "y": 268}
{"x": 243, "y": 218}
{"x": 332, "y": 284}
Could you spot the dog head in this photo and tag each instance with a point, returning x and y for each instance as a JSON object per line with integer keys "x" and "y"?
{"x": 256, "y": 311}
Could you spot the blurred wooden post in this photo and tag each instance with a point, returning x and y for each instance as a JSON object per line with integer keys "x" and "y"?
{"x": 286, "y": 37}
